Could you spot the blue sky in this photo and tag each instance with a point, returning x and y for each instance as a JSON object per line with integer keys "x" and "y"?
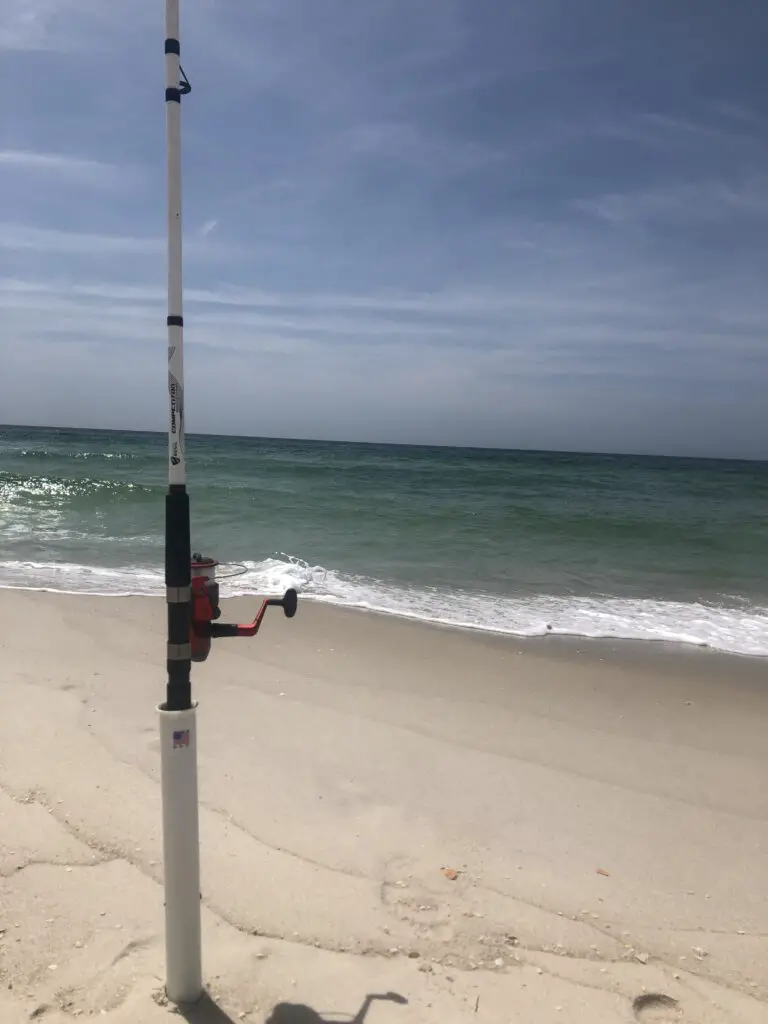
{"x": 522, "y": 223}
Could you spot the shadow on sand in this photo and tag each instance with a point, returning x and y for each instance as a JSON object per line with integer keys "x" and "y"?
{"x": 208, "y": 1012}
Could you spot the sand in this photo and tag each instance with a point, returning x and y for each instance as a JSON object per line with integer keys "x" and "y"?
{"x": 604, "y": 807}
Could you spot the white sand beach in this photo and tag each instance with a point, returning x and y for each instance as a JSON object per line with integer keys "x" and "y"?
{"x": 602, "y": 810}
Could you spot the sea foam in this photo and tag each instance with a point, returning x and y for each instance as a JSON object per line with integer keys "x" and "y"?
{"x": 736, "y": 627}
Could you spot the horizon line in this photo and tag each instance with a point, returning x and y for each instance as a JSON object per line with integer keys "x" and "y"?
{"x": 396, "y": 444}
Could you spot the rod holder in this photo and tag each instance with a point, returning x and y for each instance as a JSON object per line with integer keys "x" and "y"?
{"x": 181, "y": 854}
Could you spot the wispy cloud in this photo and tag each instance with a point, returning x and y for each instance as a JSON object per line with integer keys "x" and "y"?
{"x": 395, "y": 212}
{"x": 62, "y": 25}
{"x": 94, "y": 246}
{"x": 65, "y": 168}
{"x": 703, "y": 201}
{"x": 24, "y": 24}
{"x": 47, "y": 240}
{"x": 585, "y": 325}
{"x": 736, "y": 112}
{"x": 411, "y": 145}
{"x": 48, "y": 161}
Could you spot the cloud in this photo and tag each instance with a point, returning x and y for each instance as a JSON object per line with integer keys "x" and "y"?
{"x": 442, "y": 220}
{"x": 702, "y": 201}
{"x": 406, "y": 143}
{"x": 736, "y": 112}
{"x": 590, "y": 333}
{"x": 93, "y": 246}
{"x": 24, "y": 23}
{"x": 47, "y": 161}
{"x": 80, "y": 171}
{"x": 52, "y": 26}
{"x": 45, "y": 240}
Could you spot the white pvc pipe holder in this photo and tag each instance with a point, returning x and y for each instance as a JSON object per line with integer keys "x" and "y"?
{"x": 181, "y": 854}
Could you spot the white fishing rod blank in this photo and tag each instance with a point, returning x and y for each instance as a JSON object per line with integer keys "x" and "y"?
{"x": 192, "y": 598}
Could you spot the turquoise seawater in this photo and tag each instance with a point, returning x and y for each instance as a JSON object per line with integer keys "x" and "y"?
{"x": 518, "y": 542}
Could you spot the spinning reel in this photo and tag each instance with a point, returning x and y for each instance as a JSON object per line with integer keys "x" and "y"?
{"x": 206, "y": 610}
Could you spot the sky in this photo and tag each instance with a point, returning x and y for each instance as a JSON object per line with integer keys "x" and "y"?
{"x": 514, "y": 223}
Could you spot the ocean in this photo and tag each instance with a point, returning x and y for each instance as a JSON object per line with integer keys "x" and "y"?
{"x": 524, "y": 543}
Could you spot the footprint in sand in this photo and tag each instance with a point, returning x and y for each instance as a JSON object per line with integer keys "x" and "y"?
{"x": 655, "y": 1008}
{"x": 405, "y": 896}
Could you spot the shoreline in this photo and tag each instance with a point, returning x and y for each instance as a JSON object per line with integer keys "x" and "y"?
{"x": 571, "y": 643}
{"x": 630, "y": 645}
{"x": 605, "y": 813}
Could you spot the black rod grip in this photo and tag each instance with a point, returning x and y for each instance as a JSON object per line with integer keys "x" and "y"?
{"x": 178, "y": 550}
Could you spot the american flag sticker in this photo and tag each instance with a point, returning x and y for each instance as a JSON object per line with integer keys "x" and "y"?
{"x": 180, "y": 738}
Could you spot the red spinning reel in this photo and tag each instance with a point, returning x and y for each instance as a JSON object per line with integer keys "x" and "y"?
{"x": 205, "y": 609}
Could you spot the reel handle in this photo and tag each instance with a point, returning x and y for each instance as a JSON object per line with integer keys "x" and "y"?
{"x": 289, "y": 602}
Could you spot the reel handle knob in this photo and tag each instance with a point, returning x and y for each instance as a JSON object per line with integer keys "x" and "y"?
{"x": 289, "y": 602}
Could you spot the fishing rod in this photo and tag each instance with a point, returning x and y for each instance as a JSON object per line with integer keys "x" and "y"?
{"x": 192, "y": 597}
